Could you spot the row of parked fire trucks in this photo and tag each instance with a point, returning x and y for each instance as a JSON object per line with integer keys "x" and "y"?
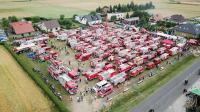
{"x": 64, "y": 75}
{"x": 119, "y": 54}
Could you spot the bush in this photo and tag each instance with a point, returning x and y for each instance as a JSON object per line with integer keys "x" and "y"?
{"x": 35, "y": 76}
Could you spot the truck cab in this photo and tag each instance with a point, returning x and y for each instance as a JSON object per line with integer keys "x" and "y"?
{"x": 100, "y": 85}
{"x": 69, "y": 84}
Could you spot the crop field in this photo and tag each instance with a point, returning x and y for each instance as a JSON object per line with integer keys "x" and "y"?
{"x": 53, "y": 8}
{"x": 18, "y": 93}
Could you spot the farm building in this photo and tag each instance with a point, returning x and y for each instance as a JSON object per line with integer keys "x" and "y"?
{"x": 118, "y": 15}
{"x": 177, "y": 18}
{"x": 156, "y": 17}
{"x": 89, "y": 19}
{"x": 22, "y": 29}
{"x": 131, "y": 21}
{"x": 3, "y": 36}
{"x": 49, "y": 26}
{"x": 188, "y": 30}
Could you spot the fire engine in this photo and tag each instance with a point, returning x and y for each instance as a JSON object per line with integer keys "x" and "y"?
{"x": 108, "y": 66}
{"x": 135, "y": 71}
{"x": 73, "y": 74}
{"x": 161, "y": 50}
{"x": 164, "y": 56}
{"x": 157, "y": 60}
{"x": 103, "y": 88}
{"x": 69, "y": 84}
{"x": 173, "y": 51}
{"x": 124, "y": 68}
{"x": 105, "y": 75}
{"x": 55, "y": 71}
{"x": 119, "y": 78}
{"x": 92, "y": 73}
{"x": 150, "y": 65}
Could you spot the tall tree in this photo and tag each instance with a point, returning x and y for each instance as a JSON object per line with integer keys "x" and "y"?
{"x": 62, "y": 17}
{"x": 127, "y": 15}
{"x": 111, "y": 9}
{"x": 12, "y": 18}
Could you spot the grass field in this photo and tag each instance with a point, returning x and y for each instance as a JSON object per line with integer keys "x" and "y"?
{"x": 18, "y": 93}
{"x": 53, "y": 8}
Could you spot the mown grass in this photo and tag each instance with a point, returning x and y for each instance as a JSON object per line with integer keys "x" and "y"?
{"x": 126, "y": 102}
{"x": 26, "y": 65}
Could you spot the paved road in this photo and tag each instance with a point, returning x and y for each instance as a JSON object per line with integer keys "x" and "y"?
{"x": 166, "y": 95}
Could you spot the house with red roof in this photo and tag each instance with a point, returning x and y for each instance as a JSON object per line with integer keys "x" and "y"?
{"x": 22, "y": 28}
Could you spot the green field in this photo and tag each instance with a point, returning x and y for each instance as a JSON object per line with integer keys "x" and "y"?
{"x": 53, "y": 8}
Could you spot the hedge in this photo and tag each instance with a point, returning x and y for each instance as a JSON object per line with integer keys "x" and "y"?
{"x": 35, "y": 76}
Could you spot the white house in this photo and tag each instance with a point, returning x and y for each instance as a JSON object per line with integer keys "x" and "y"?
{"x": 49, "y": 26}
{"x": 118, "y": 15}
{"x": 89, "y": 19}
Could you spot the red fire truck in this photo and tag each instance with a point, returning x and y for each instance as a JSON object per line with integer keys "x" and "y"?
{"x": 136, "y": 71}
{"x": 119, "y": 78}
{"x": 55, "y": 71}
{"x": 92, "y": 73}
{"x": 105, "y": 75}
{"x": 74, "y": 74}
{"x": 157, "y": 60}
{"x": 150, "y": 65}
{"x": 103, "y": 88}
{"x": 124, "y": 68}
{"x": 69, "y": 84}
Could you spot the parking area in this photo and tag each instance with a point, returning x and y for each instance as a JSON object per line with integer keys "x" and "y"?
{"x": 76, "y": 60}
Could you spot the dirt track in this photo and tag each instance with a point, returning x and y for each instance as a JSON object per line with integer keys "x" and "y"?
{"x": 18, "y": 93}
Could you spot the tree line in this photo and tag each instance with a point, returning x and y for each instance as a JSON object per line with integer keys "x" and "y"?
{"x": 126, "y": 8}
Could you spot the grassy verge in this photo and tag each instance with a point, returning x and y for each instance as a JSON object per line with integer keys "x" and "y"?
{"x": 126, "y": 102}
{"x": 35, "y": 76}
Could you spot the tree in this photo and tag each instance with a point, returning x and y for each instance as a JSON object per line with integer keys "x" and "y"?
{"x": 113, "y": 18}
{"x": 93, "y": 12}
{"x": 5, "y": 23}
{"x": 74, "y": 16}
{"x": 35, "y": 19}
{"x": 12, "y": 18}
{"x": 68, "y": 23}
{"x": 132, "y": 5}
{"x": 62, "y": 17}
{"x": 119, "y": 7}
{"x": 111, "y": 9}
{"x": 198, "y": 37}
{"x": 127, "y": 15}
{"x": 98, "y": 10}
{"x": 144, "y": 17}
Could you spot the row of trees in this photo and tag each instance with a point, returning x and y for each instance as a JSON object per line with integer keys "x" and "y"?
{"x": 65, "y": 22}
{"x": 126, "y": 8}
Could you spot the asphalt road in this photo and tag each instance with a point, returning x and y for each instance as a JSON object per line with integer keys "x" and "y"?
{"x": 167, "y": 94}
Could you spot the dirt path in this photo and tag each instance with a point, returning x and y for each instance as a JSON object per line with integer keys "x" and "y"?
{"x": 18, "y": 93}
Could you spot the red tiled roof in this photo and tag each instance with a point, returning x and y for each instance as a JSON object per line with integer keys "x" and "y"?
{"x": 22, "y": 27}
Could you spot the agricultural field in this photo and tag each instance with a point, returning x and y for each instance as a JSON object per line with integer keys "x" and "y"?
{"x": 18, "y": 93}
{"x": 53, "y": 8}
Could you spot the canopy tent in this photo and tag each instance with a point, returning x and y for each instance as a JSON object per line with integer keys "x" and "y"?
{"x": 195, "y": 91}
{"x": 169, "y": 42}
